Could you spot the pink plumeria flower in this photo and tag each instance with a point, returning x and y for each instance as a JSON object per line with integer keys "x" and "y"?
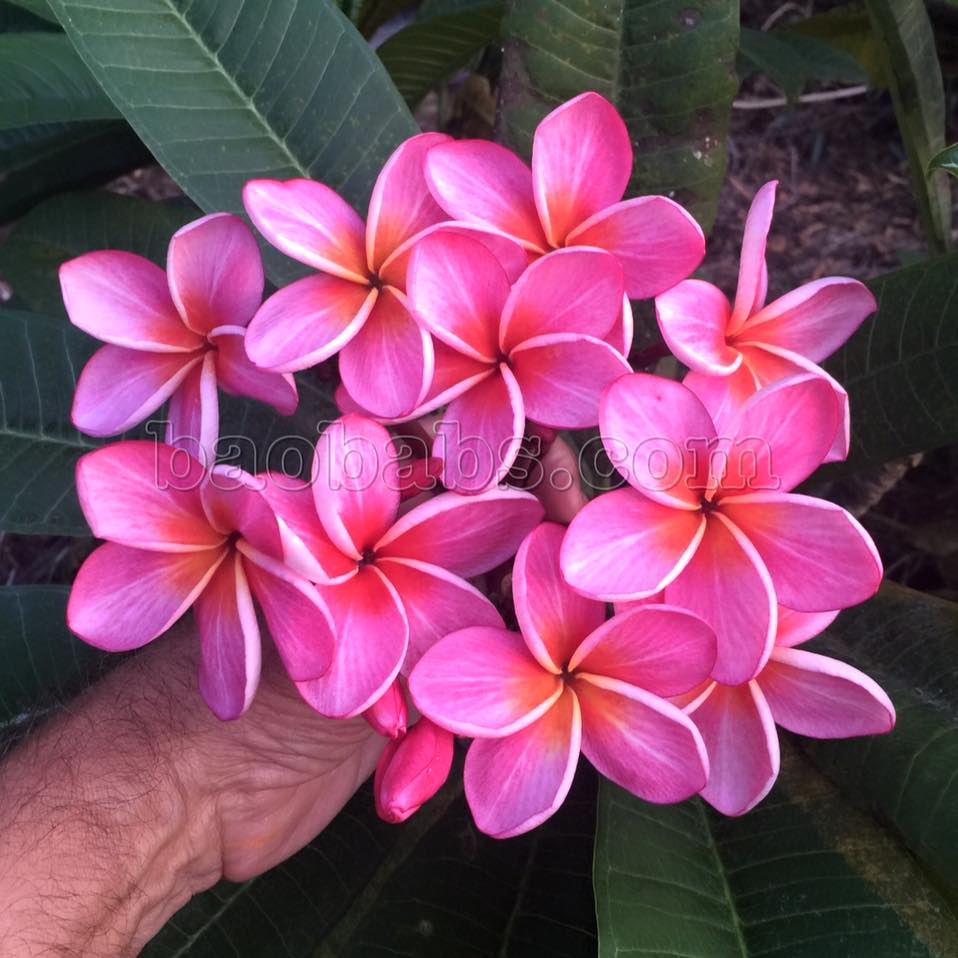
{"x": 355, "y": 304}
{"x": 176, "y": 335}
{"x": 733, "y": 350}
{"x": 394, "y": 583}
{"x": 581, "y": 165}
{"x": 535, "y": 350}
{"x": 569, "y": 682}
{"x": 710, "y": 519}
{"x": 804, "y": 692}
{"x": 179, "y": 536}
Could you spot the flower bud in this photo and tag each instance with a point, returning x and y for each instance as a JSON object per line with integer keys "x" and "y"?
{"x": 411, "y": 770}
{"x": 389, "y": 714}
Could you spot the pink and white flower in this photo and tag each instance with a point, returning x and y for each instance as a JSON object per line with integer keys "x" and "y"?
{"x": 171, "y": 336}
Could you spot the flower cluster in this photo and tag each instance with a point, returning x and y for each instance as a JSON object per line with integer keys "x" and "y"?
{"x": 499, "y": 294}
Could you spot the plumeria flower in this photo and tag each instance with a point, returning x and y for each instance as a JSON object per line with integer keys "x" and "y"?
{"x": 355, "y": 304}
{"x": 394, "y": 583}
{"x": 173, "y": 336}
{"x": 568, "y": 682}
{"x": 581, "y": 165}
{"x": 180, "y": 536}
{"x": 710, "y": 518}
{"x": 535, "y": 350}
{"x": 804, "y": 692}
{"x": 733, "y": 350}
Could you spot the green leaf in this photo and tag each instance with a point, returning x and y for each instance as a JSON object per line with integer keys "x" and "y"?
{"x": 372, "y": 14}
{"x": 804, "y": 875}
{"x": 38, "y": 8}
{"x": 946, "y": 160}
{"x": 914, "y": 78}
{"x": 901, "y": 367}
{"x": 223, "y": 91}
{"x": 667, "y": 65}
{"x": 427, "y": 51}
{"x": 74, "y": 223}
{"x": 846, "y": 28}
{"x": 42, "y": 80}
{"x": 432, "y": 887}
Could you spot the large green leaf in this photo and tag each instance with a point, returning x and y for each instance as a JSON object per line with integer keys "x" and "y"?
{"x": 668, "y": 65}
{"x": 433, "y": 887}
{"x": 38, "y": 8}
{"x": 901, "y": 367}
{"x": 946, "y": 160}
{"x": 42, "y": 80}
{"x": 223, "y": 91}
{"x": 804, "y": 875}
{"x": 914, "y": 78}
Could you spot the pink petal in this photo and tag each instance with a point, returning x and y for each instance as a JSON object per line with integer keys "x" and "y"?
{"x": 657, "y": 242}
{"x": 819, "y": 557}
{"x": 452, "y": 375}
{"x": 234, "y": 502}
{"x": 230, "y": 653}
{"x": 123, "y": 598}
{"x": 124, "y": 299}
{"x": 814, "y": 695}
{"x": 552, "y": 617}
{"x": 813, "y": 320}
{"x": 146, "y": 495}
{"x": 389, "y": 714}
{"x": 514, "y": 784}
{"x": 693, "y": 318}
{"x": 562, "y": 377}
{"x": 739, "y": 733}
{"x": 467, "y": 535}
{"x": 640, "y": 741}
{"x": 581, "y": 163}
{"x": 794, "y": 628}
{"x": 723, "y": 396}
{"x": 355, "y": 499}
{"x": 659, "y": 437}
{"x": 193, "y": 415}
{"x": 457, "y": 290}
{"x": 371, "y": 639}
{"x": 411, "y": 770}
{"x": 662, "y": 649}
{"x": 752, "y": 273}
{"x": 120, "y": 387}
{"x": 482, "y": 682}
{"x": 308, "y": 321}
{"x": 236, "y": 374}
{"x": 625, "y": 546}
{"x": 387, "y": 366}
{"x": 436, "y": 603}
{"x": 479, "y": 435}
{"x": 215, "y": 272}
{"x": 311, "y": 223}
{"x": 298, "y": 618}
{"x": 401, "y": 205}
{"x": 620, "y": 336}
{"x": 484, "y": 183}
{"x": 727, "y": 584}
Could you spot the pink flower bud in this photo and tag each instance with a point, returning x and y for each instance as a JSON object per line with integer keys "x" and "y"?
{"x": 411, "y": 770}
{"x": 389, "y": 714}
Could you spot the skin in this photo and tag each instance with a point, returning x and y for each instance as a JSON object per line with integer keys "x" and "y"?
{"x": 136, "y": 798}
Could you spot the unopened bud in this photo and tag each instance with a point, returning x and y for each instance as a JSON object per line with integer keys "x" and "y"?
{"x": 389, "y": 714}
{"x": 411, "y": 770}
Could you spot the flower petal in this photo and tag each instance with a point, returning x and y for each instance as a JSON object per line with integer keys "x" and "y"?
{"x": 794, "y": 628}
{"x": 146, "y": 495}
{"x": 742, "y": 741}
{"x": 230, "y": 653}
{"x": 752, "y": 273}
{"x": 482, "y": 682}
{"x": 640, "y": 741}
{"x": 123, "y": 598}
{"x": 693, "y": 317}
{"x": 662, "y": 649}
{"x": 387, "y": 366}
{"x": 124, "y": 299}
{"x": 467, "y": 535}
{"x": 819, "y": 557}
{"x": 193, "y": 415}
{"x": 581, "y": 163}
{"x": 234, "y": 502}
{"x": 515, "y": 783}
{"x": 657, "y": 242}
{"x": 452, "y": 375}
{"x": 727, "y": 584}
{"x": 120, "y": 387}
{"x": 553, "y": 618}
{"x": 236, "y": 374}
{"x": 215, "y": 272}
{"x": 723, "y": 396}
{"x": 308, "y": 321}
{"x": 484, "y": 183}
{"x": 814, "y": 695}
{"x": 311, "y": 223}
